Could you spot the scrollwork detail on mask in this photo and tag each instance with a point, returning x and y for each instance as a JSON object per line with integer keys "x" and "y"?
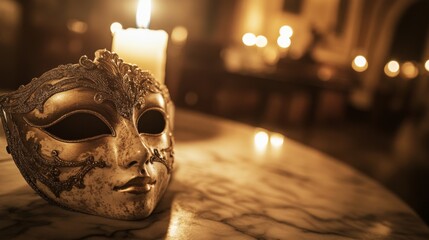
{"x": 57, "y": 186}
{"x": 126, "y": 87}
{"x": 164, "y": 156}
{"x": 49, "y": 171}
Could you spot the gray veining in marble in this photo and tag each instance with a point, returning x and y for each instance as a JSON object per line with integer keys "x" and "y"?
{"x": 225, "y": 188}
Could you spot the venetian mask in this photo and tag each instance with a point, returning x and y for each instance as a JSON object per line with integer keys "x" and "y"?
{"x": 94, "y": 137}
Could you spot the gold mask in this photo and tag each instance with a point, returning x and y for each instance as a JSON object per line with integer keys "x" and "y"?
{"x": 94, "y": 137}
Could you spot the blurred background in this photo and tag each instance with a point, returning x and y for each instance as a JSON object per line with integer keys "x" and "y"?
{"x": 347, "y": 77}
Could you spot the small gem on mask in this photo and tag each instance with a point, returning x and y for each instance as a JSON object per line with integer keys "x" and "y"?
{"x": 98, "y": 98}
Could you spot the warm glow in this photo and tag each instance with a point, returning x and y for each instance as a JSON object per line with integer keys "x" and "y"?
{"x": 249, "y": 39}
{"x": 391, "y": 69}
{"x": 191, "y": 98}
{"x": 77, "y": 26}
{"x": 276, "y": 140}
{"x": 284, "y": 41}
{"x": 409, "y": 70}
{"x": 179, "y": 35}
{"x": 261, "y": 140}
{"x": 270, "y": 55}
{"x": 393, "y": 66}
{"x": 427, "y": 65}
{"x": 325, "y": 73}
{"x": 286, "y": 31}
{"x": 360, "y": 63}
{"x": 179, "y": 217}
{"x": 174, "y": 226}
{"x": 261, "y": 41}
{"x": 114, "y": 27}
{"x": 144, "y": 9}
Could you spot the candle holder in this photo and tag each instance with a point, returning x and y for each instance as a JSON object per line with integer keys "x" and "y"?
{"x": 94, "y": 137}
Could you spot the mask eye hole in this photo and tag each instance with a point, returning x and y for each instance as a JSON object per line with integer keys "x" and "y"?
{"x": 79, "y": 126}
{"x": 151, "y": 122}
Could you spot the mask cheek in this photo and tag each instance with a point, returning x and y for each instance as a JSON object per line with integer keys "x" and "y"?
{"x": 97, "y": 195}
{"x": 94, "y": 195}
{"x": 95, "y": 198}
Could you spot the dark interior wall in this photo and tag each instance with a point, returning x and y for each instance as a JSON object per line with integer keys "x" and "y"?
{"x": 410, "y": 39}
{"x": 44, "y": 40}
{"x": 40, "y": 37}
{"x": 10, "y": 22}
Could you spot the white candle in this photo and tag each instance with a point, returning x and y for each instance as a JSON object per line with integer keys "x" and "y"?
{"x": 143, "y": 47}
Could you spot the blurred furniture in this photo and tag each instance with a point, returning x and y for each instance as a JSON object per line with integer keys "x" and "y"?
{"x": 311, "y": 80}
{"x": 226, "y": 187}
{"x": 207, "y": 86}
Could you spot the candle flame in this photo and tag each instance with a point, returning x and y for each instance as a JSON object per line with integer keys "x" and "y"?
{"x": 144, "y": 9}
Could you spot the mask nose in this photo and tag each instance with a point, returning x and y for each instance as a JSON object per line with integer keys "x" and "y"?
{"x": 136, "y": 158}
{"x": 134, "y": 153}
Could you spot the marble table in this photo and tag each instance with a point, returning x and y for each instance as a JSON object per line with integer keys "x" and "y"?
{"x": 226, "y": 185}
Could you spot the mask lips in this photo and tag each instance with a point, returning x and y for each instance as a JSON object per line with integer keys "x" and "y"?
{"x": 137, "y": 185}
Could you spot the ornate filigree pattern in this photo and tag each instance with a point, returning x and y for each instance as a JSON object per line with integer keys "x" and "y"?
{"x": 126, "y": 85}
{"x": 51, "y": 171}
{"x": 164, "y": 156}
{"x": 47, "y": 171}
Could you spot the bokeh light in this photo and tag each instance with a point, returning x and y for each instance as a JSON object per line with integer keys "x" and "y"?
{"x": 261, "y": 41}
{"x": 114, "y": 27}
{"x": 325, "y": 73}
{"x": 249, "y": 39}
{"x": 179, "y": 35}
{"x": 276, "y": 140}
{"x": 77, "y": 26}
{"x": 260, "y": 140}
{"x": 359, "y": 63}
{"x": 409, "y": 70}
{"x": 286, "y": 31}
{"x": 391, "y": 69}
{"x": 284, "y": 41}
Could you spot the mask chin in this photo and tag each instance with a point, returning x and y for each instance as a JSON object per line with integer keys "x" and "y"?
{"x": 94, "y": 137}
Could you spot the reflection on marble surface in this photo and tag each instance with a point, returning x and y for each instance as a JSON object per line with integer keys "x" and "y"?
{"x": 226, "y": 186}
